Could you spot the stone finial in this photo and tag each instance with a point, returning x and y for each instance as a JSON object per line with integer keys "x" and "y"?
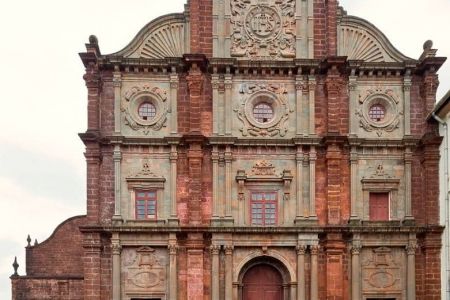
{"x": 28, "y": 241}
{"x": 428, "y": 45}
{"x": 93, "y": 40}
{"x": 428, "y": 50}
{"x": 15, "y": 266}
{"x": 35, "y": 242}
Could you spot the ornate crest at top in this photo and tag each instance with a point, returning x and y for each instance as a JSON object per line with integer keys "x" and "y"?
{"x": 263, "y": 168}
{"x": 263, "y": 29}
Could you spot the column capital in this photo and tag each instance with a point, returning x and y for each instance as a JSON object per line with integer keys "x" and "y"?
{"x": 173, "y": 248}
{"x": 116, "y": 248}
{"x": 229, "y": 249}
{"x": 215, "y": 249}
{"x": 411, "y": 248}
{"x": 314, "y": 249}
{"x": 301, "y": 249}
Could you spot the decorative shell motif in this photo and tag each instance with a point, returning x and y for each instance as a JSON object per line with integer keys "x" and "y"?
{"x": 360, "y": 45}
{"x": 166, "y": 41}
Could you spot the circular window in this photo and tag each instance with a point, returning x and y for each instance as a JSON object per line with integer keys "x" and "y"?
{"x": 377, "y": 113}
{"x": 147, "y": 111}
{"x": 263, "y": 112}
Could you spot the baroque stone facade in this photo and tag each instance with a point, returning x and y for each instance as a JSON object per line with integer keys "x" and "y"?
{"x": 250, "y": 148}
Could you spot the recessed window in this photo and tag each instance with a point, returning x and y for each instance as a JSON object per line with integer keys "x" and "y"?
{"x": 379, "y": 206}
{"x": 145, "y": 204}
{"x": 263, "y": 208}
{"x": 377, "y": 112}
{"x": 263, "y": 112}
{"x": 147, "y": 111}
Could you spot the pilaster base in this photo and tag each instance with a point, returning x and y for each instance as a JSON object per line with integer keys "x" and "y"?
{"x": 117, "y": 220}
{"x": 354, "y": 221}
{"x": 409, "y": 221}
{"x": 173, "y": 221}
{"x": 306, "y": 221}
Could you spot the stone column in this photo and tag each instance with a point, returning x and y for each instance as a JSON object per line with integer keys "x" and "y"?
{"x": 352, "y": 84}
{"x": 299, "y": 159}
{"x": 411, "y": 268}
{"x": 314, "y": 272}
{"x": 215, "y": 179}
{"x": 228, "y": 103}
{"x": 312, "y": 109}
{"x": 174, "y": 102}
{"x": 215, "y": 249}
{"x": 228, "y": 182}
{"x": 173, "y": 280}
{"x": 299, "y": 103}
{"x": 356, "y": 268}
{"x": 353, "y": 182}
{"x": 117, "y": 157}
{"x": 116, "y": 266}
{"x": 117, "y": 83}
{"x": 408, "y": 162}
{"x": 312, "y": 183}
{"x": 407, "y": 103}
{"x": 228, "y": 272}
{"x": 301, "y": 291}
{"x": 215, "y": 87}
{"x": 173, "y": 183}
{"x": 310, "y": 29}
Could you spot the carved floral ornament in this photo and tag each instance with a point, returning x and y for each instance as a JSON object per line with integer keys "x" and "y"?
{"x": 263, "y": 28}
{"x": 138, "y": 95}
{"x": 274, "y": 95}
{"x": 388, "y": 101}
{"x": 264, "y": 172}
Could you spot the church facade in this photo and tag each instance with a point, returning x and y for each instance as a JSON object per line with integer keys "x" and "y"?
{"x": 253, "y": 149}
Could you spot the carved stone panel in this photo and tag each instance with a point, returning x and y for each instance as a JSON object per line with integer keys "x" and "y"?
{"x": 383, "y": 271}
{"x": 379, "y": 112}
{"x": 144, "y": 270}
{"x": 263, "y": 29}
{"x": 154, "y": 117}
{"x": 274, "y": 96}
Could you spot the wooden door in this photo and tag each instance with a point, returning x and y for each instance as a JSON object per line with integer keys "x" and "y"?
{"x": 379, "y": 206}
{"x": 262, "y": 282}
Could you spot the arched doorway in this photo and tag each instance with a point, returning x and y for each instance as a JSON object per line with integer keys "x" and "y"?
{"x": 262, "y": 282}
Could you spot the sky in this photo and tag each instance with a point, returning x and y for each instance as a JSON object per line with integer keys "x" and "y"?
{"x": 43, "y": 97}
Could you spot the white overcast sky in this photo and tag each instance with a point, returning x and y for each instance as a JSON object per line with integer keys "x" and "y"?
{"x": 43, "y": 97}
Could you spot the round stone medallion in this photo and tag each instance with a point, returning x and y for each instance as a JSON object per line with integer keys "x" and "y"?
{"x": 263, "y": 22}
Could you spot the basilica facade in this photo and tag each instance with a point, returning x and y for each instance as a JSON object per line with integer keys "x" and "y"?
{"x": 253, "y": 149}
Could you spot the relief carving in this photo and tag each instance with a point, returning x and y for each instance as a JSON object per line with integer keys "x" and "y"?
{"x": 381, "y": 270}
{"x": 388, "y": 101}
{"x": 274, "y": 95}
{"x": 263, "y": 29}
{"x": 144, "y": 270}
{"x": 138, "y": 95}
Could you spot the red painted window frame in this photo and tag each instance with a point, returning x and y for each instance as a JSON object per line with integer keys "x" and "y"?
{"x": 147, "y": 199}
{"x": 388, "y": 199}
{"x": 275, "y": 202}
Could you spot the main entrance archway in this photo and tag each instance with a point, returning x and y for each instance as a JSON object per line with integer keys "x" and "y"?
{"x": 262, "y": 282}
